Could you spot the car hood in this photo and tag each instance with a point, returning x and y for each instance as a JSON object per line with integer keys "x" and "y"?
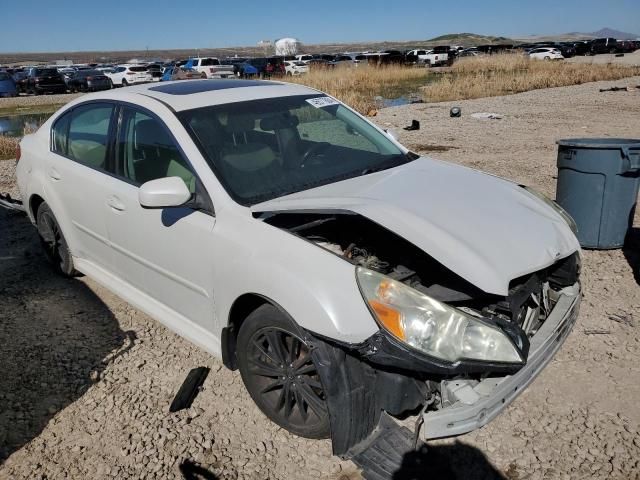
{"x": 485, "y": 229}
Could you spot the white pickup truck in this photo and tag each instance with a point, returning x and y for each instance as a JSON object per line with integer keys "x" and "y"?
{"x": 433, "y": 58}
{"x": 210, "y": 68}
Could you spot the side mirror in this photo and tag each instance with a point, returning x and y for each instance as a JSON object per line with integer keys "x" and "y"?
{"x": 163, "y": 193}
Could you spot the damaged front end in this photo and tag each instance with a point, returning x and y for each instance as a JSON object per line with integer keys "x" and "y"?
{"x": 402, "y": 372}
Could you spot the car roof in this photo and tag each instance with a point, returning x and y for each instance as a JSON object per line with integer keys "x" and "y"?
{"x": 182, "y": 95}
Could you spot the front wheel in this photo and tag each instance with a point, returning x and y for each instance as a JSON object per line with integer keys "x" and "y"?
{"x": 280, "y": 374}
{"x": 53, "y": 242}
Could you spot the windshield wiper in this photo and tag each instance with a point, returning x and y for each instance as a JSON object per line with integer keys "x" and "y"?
{"x": 386, "y": 165}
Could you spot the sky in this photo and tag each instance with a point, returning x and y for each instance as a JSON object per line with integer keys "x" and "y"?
{"x": 63, "y": 25}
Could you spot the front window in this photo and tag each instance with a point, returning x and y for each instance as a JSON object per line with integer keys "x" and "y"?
{"x": 263, "y": 149}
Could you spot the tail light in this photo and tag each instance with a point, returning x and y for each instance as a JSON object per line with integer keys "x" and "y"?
{"x": 89, "y": 78}
{"x": 18, "y": 153}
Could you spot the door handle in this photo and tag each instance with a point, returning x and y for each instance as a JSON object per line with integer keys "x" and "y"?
{"x": 115, "y": 203}
{"x": 54, "y": 175}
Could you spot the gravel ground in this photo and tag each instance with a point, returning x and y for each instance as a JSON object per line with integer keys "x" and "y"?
{"x": 87, "y": 379}
{"x": 28, "y": 101}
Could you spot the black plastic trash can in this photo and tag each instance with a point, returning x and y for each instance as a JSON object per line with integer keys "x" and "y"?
{"x": 598, "y": 181}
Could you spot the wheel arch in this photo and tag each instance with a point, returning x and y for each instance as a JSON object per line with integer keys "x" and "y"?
{"x": 34, "y": 204}
{"x": 241, "y": 308}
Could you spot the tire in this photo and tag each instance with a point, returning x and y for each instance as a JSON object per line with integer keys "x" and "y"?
{"x": 547, "y": 58}
{"x": 203, "y": 75}
{"x": 280, "y": 374}
{"x": 124, "y": 82}
{"x": 111, "y": 84}
{"x": 53, "y": 242}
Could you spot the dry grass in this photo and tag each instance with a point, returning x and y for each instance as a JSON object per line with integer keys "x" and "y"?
{"x": 506, "y": 74}
{"x": 358, "y": 87}
{"x": 8, "y": 147}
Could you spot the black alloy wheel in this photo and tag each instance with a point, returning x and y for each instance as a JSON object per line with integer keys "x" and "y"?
{"x": 53, "y": 242}
{"x": 278, "y": 370}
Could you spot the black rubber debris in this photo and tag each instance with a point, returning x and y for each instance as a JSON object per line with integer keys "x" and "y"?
{"x": 415, "y": 125}
{"x": 384, "y": 456}
{"x": 189, "y": 389}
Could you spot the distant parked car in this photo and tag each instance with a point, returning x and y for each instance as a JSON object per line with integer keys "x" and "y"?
{"x": 88, "y": 81}
{"x": 20, "y": 79}
{"x": 44, "y": 80}
{"x": 180, "y": 73}
{"x": 124, "y": 75}
{"x": 545, "y": 53}
{"x": 603, "y": 45}
{"x": 306, "y": 58}
{"x": 294, "y": 68}
{"x": 468, "y": 53}
{"x": 246, "y": 70}
{"x": 210, "y": 67}
{"x": 156, "y": 71}
{"x": 7, "y": 86}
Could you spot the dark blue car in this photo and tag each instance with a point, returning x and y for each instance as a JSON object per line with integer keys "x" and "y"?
{"x": 7, "y": 86}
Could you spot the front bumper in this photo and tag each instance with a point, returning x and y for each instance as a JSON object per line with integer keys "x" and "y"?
{"x": 484, "y": 401}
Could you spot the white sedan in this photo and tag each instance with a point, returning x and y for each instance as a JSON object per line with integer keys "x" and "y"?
{"x": 125, "y": 75}
{"x": 546, "y": 54}
{"x": 296, "y": 67}
{"x": 342, "y": 274}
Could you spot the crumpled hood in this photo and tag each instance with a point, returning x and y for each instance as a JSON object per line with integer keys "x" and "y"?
{"x": 484, "y": 228}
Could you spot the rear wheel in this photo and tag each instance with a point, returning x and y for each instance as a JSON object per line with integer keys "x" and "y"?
{"x": 125, "y": 83}
{"x": 53, "y": 242}
{"x": 279, "y": 372}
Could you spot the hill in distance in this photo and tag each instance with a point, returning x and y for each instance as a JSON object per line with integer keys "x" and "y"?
{"x": 469, "y": 39}
{"x": 617, "y": 34}
{"x": 577, "y": 36}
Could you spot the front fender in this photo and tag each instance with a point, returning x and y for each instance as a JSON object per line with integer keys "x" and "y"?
{"x": 315, "y": 287}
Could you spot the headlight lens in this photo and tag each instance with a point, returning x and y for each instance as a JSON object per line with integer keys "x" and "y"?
{"x": 431, "y": 326}
{"x": 563, "y": 213}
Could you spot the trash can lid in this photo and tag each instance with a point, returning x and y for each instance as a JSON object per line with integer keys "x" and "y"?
{"x": 605, "y": 143}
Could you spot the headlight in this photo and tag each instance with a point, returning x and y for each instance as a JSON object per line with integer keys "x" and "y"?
{"x": 431, "y": 326}
{"x": 563, "y": 213}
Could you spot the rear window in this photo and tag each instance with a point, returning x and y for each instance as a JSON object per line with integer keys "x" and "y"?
{"x": 138, "y": 69}
{"x": 207, "y": 62}
{"x": 46, "y": 71}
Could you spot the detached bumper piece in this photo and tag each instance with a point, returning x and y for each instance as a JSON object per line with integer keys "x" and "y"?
{"x": 471, "y": 404}
{"x": 11, "y": 203}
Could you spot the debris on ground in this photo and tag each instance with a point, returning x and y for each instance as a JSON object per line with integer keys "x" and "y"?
{"x": 487, "y": 116}
{"x": 415, "y": 125}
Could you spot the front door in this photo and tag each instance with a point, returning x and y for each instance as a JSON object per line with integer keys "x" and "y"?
{"x": 165, "y": 253}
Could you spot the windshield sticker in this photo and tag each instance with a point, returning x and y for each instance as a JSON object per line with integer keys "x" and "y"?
{"x": 321, "y": 102}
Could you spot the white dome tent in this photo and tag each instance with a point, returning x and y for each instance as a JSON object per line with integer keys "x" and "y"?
{"x": 286, "y": 46}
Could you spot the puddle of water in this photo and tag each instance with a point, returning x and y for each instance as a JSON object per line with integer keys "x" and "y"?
{"x": 15, "y": 125}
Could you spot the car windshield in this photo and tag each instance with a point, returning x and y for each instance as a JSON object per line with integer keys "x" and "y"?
{"x": 263, "y": 149}
{"x": 137, "y": 69}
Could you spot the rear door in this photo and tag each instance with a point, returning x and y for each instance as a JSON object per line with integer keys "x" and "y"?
{"x": 165, "y": 253}
{"x": 78, "y": 170}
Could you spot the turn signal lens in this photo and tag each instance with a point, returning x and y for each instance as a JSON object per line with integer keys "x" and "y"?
{"x": 389, "y": 317}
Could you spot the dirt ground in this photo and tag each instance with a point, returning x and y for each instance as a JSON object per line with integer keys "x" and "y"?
{"x": 87, "y": 380}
